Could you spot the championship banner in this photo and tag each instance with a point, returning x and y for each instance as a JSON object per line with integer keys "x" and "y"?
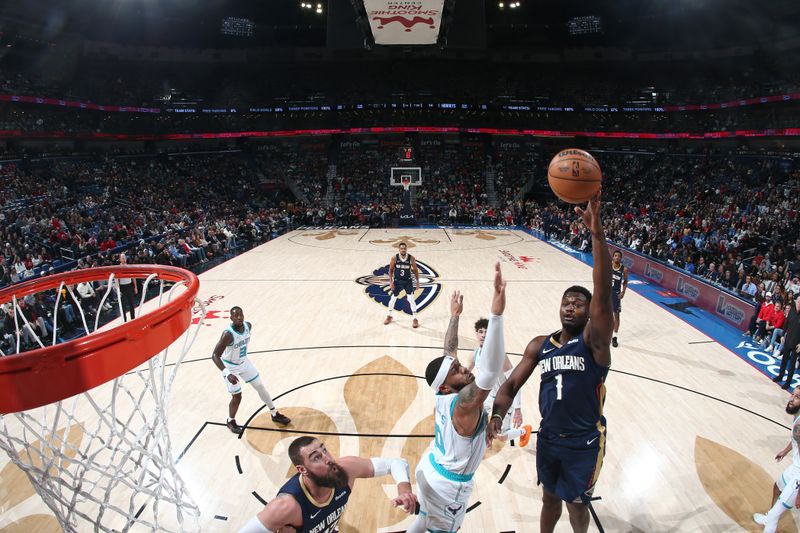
{"x": 404, "y": 21}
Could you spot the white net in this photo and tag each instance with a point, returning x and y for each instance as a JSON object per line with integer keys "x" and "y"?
{"x": 102, "y": 460}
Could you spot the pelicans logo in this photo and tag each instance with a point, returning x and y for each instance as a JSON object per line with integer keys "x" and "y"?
{"x": 377, "y": 288}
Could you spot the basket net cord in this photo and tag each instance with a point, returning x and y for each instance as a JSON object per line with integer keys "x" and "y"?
{"x": 140, "y": 460}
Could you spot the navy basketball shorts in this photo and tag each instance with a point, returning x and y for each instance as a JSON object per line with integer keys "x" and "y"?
{"x": 616, "y": 304}
{"x": 407, "y": 286}
{"x": 570, "y": 466}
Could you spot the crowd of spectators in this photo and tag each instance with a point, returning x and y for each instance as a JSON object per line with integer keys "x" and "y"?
{"x": 732, "y": 219}
{"x": 180, "y": 210}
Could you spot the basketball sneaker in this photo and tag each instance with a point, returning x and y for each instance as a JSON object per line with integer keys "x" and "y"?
{"x": 415, "y": 323}
{"x": 760, "y": 519}
{"x": 525, "y": 438}
{"x": 614, "y": 342}
{"x": 283, "y": 420}
{"x": 388, "y": 319}
{"x": 235, "y": 428}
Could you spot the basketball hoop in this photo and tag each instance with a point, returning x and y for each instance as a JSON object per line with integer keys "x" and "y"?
{"x": 100, "y": 455}
{"x": 405, "y": 181}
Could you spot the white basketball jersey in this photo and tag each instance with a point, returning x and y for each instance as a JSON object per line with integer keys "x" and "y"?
{"x": 236, "y": 351}
{"x": 455, "y": 453}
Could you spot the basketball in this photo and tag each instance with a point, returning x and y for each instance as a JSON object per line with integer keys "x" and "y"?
{"x": 574, "y": 175}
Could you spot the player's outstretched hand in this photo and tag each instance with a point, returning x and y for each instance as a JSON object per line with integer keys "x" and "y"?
{"x": 233, "y": 379}
{"x": 493, "y": 429}
{"x": 407, "y": 501}
{"x": 456, "y": 303}
{"x": 781, "y": 454}
{"x": 499, "y": 297}
{"x": 591, "y": 215}
{"x": 516, "y": 420}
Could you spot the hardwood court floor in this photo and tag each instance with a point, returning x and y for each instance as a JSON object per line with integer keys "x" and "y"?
{"x": 692, "y": 429}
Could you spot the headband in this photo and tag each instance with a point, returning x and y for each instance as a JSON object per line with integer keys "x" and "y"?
{"x": 442, "y": 374}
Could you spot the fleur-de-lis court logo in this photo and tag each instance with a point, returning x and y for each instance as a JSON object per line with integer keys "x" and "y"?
{"x": 332, "y": 234}
{"x": 377, "y": 287}
{"x": 380, "y": 398}
{"x": 411, "y": 242}
{"x": 480, "y": 234}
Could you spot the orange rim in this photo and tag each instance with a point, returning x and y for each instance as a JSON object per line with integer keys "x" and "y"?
{"x": 46, "y": 375}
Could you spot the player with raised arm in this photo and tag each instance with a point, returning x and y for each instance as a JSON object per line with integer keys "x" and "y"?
{"x": 445, "y": 471}
{"x": 574, "y": 362}
{"x": 314, "y": 499}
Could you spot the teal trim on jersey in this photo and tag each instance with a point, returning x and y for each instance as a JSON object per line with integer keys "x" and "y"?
{"x": 787, "y": 506}
{"x": 232, "y": 363}
{"x": 453, "y": 406}
{"x": 440, "y": 531}
{"x": 249, "y": 380}
{"x": 783, "y": 480}
{"x": 481, "y": 424}
{"x": 445, "y": 473}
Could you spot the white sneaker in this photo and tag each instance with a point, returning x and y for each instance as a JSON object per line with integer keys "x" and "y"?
{"x": 769, "y": 349}
{"x": 760, "y": 519}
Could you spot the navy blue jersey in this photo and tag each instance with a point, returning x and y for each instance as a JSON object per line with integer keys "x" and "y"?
{"x": 318, "y": 517}
{"x": 572, "y": 391}
{"x": 402, "y": 268}
{"x": 616, "y": 278}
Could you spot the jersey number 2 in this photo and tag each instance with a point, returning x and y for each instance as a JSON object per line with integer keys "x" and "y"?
{"x": 437, "y": 438}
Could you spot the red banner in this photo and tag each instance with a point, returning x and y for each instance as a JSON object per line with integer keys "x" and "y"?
{"x": 701, "y": 293}
{"x": 13, "y": 134}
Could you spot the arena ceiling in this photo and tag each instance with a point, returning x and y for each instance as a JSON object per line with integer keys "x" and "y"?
{"x": 642, "y": 24}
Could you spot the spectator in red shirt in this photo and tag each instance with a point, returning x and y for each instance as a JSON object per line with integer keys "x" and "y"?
{"x": 776, "y": 321}
{"x": 763, "y": 316}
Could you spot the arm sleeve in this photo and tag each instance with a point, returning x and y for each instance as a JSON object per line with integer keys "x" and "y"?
{"x": 397, "y": 467}
{"x": 254, "y": 525}
{"x": 492, "y": 355}
{"x": 517, "y": 402}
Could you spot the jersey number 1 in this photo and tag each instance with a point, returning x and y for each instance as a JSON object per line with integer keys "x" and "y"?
{"x": 559, "y": 386}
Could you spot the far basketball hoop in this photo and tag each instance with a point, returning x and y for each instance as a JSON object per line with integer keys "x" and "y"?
{"x": 406, "y": 177}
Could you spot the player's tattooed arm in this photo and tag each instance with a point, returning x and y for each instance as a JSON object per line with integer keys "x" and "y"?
{"x": 796, "y": 433}
{"x": 451, "y": 337}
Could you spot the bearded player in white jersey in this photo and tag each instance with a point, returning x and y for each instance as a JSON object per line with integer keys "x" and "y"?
{"x": 230, "y": 356}
{"x": 445, "y": 471}
{"x": 786, "y": 491}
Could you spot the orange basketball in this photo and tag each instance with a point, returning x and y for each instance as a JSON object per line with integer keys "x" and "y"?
{"x": 574, "y": 175}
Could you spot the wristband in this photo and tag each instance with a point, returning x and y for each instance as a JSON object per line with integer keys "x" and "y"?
{"x": 500, "y": 418}
{"x": 226, "y": 372}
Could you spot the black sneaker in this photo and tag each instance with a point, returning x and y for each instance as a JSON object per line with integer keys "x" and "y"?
{"x": 614, "y": 342}
{"x": 283, "y": 420}
{"x": 234, "y": 427}
{"x": 777, "y": 379}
